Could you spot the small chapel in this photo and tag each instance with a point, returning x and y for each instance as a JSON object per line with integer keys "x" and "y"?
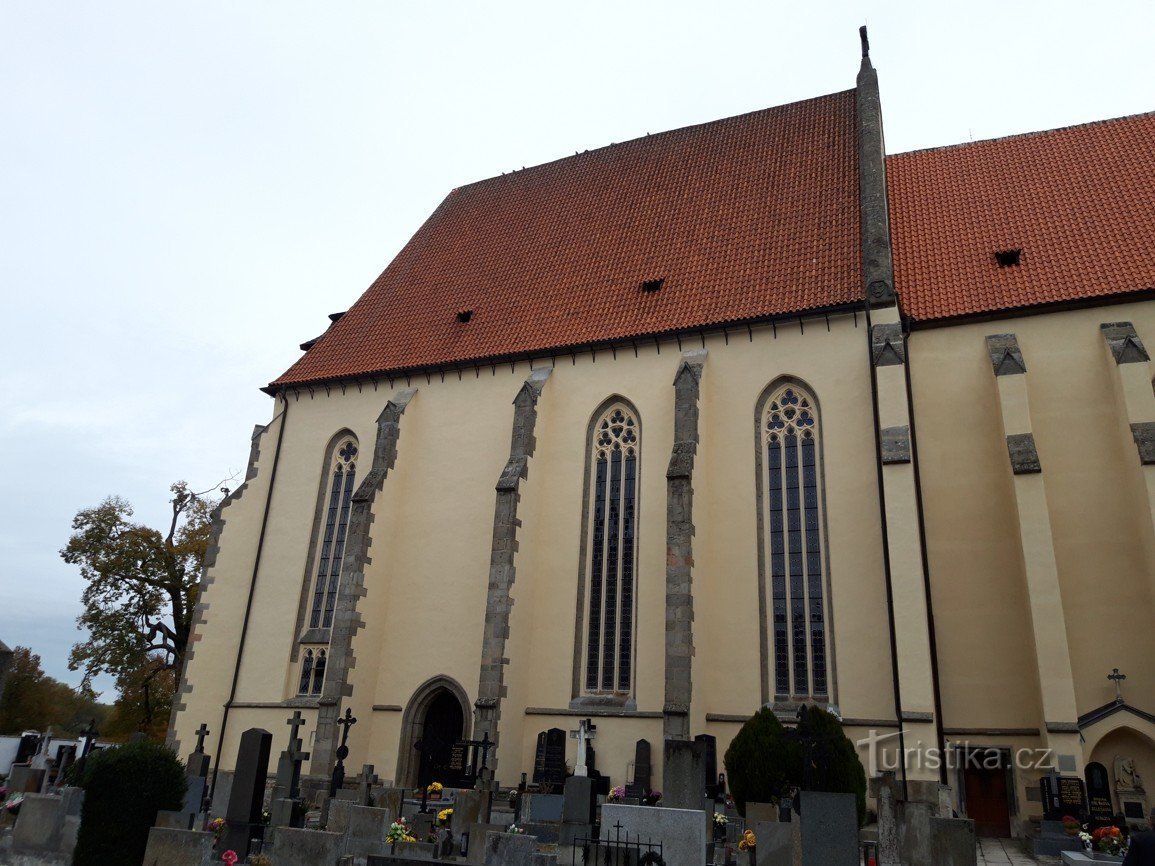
{"x": 746, "y": 414}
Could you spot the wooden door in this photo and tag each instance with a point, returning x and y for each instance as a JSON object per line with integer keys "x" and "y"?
{"x": 987, "y": 803}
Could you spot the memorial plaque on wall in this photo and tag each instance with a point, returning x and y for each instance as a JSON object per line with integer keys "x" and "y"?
{"x": 1098, "y": 794}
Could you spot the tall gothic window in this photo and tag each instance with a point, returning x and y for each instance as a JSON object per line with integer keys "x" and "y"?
{"x": 612, "y": 551}
{"x": 341, "y": 480}
{"x": 793, "y": 525}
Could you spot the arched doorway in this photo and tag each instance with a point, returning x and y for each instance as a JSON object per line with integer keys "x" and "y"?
{"x": 444, "y": 725}
{"x": 436, "y": 719}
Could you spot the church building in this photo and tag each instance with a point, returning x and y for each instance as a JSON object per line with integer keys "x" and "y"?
{"x": 746, "y": 414}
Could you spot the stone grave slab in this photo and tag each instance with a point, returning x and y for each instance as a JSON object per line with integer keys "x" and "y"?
{"x": 914, "y": 830}
{"x": 509, "y": 849}
{"x": 953, "y": 842}
{"x": 24, "y": 779}
{"x": 682, "y": 832}
{"x": 389, "y": 799}
{"x": 466, "y": 811}
{"x": 477, "y": 835}
{"x": 775, "y": 843}
{"x": 683, "y": 775}
{"x": 542, "y": 807}
{"x": 756, "y": 812}
{"x": 829, "y": 829}
{"x": 40, "y": 825}
{"x": 246, "y": 800}
{"x": 293, "y": 847}
{"x": 172, "y": 847}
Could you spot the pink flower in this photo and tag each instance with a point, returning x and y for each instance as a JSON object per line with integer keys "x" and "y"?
{"x": 230, "y": 857}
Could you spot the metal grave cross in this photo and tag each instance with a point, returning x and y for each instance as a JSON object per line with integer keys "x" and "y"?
{"x": 201, "y": 732}
{"x": 1117, "y": 678}
{"x": 338, "y": 779}
{"x": 586, "y": 731}
{"x": 89, "y": 736}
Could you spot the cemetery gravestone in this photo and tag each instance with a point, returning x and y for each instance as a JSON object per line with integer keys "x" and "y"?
{"x": 829, "y": 829}
{"x": 682, "y": 832}
{"x": 710, "y": 762}
{"x": 953, "y": 841}
{"x": 641, "y": 784}
{"x": 243, "y": 818}
{"x": 1098, "y": 794}
{"x": 168, "y": 846}
{"x": 775, "y": 843}
{"x": 509, "y": 849}
{"x": 684, "y": 775}
{"x": 293, "y": 847}
{"x": 1062, "y": 796}
{"x": 577, "y": 812}
{"x": 1130, "y": 792}
{"x": 549, "y": 759}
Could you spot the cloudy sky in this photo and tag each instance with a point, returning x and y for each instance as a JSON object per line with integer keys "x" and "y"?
{"x": 188, "y": 189}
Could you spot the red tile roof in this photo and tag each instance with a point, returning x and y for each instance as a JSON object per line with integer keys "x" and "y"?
{"x": 752, "y": 216}
{"x": 1079, "y": 202}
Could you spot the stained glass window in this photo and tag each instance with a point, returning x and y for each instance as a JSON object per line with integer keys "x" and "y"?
{"x": 612, "y": 551}
{"x": 341, "y": 481}
{"x": 793, "y": 547}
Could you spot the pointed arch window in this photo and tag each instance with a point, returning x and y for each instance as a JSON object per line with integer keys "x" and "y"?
{"x": 312, "y": 672}
{"x": 341, "y": 480}
{"x": 612, "y": 551}
{"x": 793, "y": 521}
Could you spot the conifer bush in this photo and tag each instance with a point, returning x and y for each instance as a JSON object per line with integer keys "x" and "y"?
{"x": 124, "y": 788}
{"x": 758, "y": 761}
{"x": 765, "y": 760}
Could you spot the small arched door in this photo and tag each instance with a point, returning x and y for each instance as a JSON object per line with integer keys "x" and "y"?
{"x": 441, "y": 729}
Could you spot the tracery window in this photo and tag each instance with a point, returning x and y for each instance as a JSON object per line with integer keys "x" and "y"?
{"x": 793, "y": 544}
{"x": 312, "y": 672}
{"x": 612, "y": 551}
{"x": 341, "y": 481}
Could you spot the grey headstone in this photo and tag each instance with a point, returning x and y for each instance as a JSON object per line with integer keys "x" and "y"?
{"x": 25, "y": 779}
{"x": 830, "y": 829}
{"x": 172, "y": 847}
{"x": 775, "y": 843}
{"x": 389, "y": 799}
{"x": 756, "y": 812}
{"x": 185, "y": 817}
{"x": 952, "y": 841}
{"x": 642, "y": 766}
{"x": 682, "y": 832}
{"x": 40, "y": 825}
{"x": 914, "y": 829}
{"x": 542, "y": 807}
{"x": 683, "y": 775}
{"x": 222, "y": 791}
{"x": 293, "y": 847}
{"x": 577, "y": 805}
{"x": 477, "y": 834}
{"x": 509, "y": 849}
{"x": 466, "y": 809}
{"x": 284, "y": 812}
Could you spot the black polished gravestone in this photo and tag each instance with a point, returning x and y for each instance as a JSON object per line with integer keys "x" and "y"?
{"x": 549, "y": 759}
{"x": 641, "y": 784}
{"x": 1098, "y": 794}
{"x": 1063, "y": 796}
{"x": 710, "y": 759}
{"x": 246, "y": 801}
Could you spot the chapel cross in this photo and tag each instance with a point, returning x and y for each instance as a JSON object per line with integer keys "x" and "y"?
{"x": 295, "y": 723}
{"x": 89, "y": 735}
{"x": 1117, "y": 678}
{"x": 201, "y": 733}
{"x": 586, "y": 731}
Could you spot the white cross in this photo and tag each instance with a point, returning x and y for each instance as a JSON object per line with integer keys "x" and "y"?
{"x": 586, "y": 731}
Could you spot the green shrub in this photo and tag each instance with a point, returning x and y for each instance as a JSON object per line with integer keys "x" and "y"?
{"x": 833, "y": 761}
{"x": 759, "y": 761}
{"x": 124, "y": 788}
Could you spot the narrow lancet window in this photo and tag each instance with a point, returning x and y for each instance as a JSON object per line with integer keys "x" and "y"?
{"x": 610, "y": 576}
{"x": 341, "y": 481}
{"x": 793, "y": 547}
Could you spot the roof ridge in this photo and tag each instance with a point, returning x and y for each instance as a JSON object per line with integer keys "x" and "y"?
{"x": 650, "y": 136}
{"x": 1031, "y": 134}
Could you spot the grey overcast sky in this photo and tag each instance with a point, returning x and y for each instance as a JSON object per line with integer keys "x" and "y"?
{"x": 188, "y": 189}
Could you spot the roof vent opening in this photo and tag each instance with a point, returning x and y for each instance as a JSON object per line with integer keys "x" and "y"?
{"x": 1008, "y": 258}
{"x": 652, "y": 285}
{"x": 464, "y": 316}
